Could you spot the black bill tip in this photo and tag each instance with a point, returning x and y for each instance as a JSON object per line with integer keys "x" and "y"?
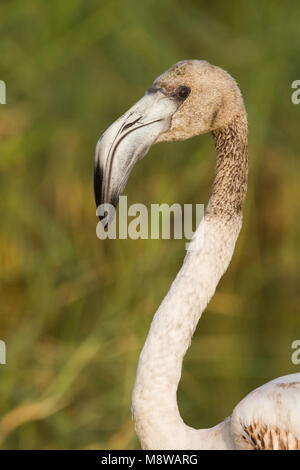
{"x": 113, "y": 199}
{"x": 98, "y": 182}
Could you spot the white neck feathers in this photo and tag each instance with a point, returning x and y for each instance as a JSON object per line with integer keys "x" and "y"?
{"x": 154, "y": 402}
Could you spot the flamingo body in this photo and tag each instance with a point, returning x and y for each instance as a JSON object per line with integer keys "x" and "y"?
{"x": 192, "y": 98}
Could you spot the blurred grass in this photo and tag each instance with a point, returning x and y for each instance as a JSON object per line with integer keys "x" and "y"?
{"x": 75, "y": 311}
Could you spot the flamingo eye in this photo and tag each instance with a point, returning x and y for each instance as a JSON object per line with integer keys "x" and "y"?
{"x": 183, "y": 92}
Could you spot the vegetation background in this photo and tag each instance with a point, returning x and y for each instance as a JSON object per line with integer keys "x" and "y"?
{"x": 75, "y": 311}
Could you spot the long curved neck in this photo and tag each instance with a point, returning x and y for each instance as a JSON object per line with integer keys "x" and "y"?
{"x": 154, "y": 402}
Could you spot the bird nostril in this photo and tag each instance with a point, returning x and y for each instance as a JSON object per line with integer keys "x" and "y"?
{"x": 153, "y": 89}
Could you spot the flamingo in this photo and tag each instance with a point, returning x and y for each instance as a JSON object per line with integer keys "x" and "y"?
{"x": 191, "y": 98}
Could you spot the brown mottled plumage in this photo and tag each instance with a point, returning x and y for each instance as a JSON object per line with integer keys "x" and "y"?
{"x": 230, "y": 184}
{"x": 267, "y": 418}
{"x": 262, "y": 437}
{"x": 215, "y": 104}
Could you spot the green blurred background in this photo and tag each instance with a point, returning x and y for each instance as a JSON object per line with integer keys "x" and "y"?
{"x": 75, "y": 310}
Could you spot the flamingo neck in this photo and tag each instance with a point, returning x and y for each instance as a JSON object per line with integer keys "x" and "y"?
{"x": 154, "y": 402}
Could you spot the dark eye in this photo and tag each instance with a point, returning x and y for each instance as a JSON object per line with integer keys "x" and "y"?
{"x": 183, "y": 92}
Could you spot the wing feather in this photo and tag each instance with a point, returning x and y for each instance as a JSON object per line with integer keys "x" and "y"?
{"x": 269, "y": 417}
